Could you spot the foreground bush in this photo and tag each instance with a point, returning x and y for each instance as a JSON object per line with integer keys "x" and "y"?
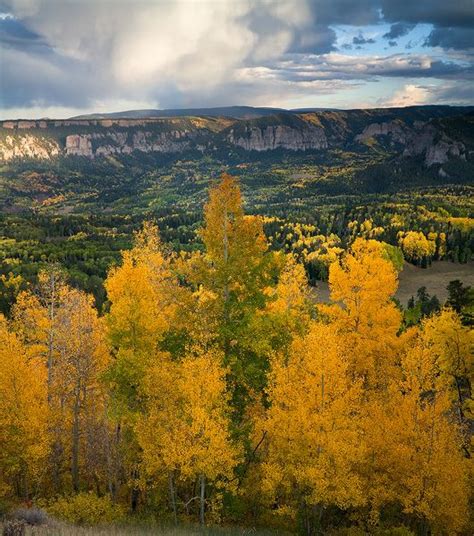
{"x": 86, "y": 509}
{"x": 14, "y": 528}
{"x": 31, "y": 516}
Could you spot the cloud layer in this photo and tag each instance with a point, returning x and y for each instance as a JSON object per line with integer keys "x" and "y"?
{"x": 87, "y": 54}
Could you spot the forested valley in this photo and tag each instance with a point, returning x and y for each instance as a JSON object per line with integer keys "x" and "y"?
{"x": 207, "y": 384}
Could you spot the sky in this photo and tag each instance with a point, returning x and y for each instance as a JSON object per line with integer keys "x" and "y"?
{"x": 60, "y": 58}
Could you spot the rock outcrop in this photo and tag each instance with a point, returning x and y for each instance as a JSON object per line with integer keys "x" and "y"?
{"x": 395, "y": 130}
{"x": 422, "y": 139}
{"x": 279, "y": 137}
{"x": 436, "y": 146}
{"x": 28, "y": 146}
{"x": 113, "y": 143}
{"x": 77, "y": 145}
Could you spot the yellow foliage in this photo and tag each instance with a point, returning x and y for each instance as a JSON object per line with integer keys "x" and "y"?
{"x": 86, "y": 509}
{"x": 23, "y": 414}
{"x": 415, "y": 245}
{"x": 62, "y": 333}
{"x": 363, "y": 314}
{"x": 415, "y": 457}
{"x": 141, "y": 294}
{"x": 185, "y": 429}
{"x": 314, "y": 441}
{"x": 451, "y": 346}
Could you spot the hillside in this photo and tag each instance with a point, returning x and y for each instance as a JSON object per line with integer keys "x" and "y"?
{"x": 284, "y": 160}
{"x": 418, "y": 131}
{"x": 237, "y": 112}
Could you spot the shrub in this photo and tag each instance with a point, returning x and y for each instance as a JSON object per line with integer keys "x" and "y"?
{"x": 14, "y": 528}
{"x": 31, "y": 516}
{"x": 86, "y": 509}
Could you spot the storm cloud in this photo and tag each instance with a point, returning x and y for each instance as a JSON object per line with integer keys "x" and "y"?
{"x": 103, "y": 53}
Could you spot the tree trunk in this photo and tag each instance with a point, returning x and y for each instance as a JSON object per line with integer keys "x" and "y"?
{"x": 202, "y": 480}
{"x": 135, "y": 493}
{"x": 75, "y": 444}
{"x": 173, "y": 497}
{"x": 51, "y": 314}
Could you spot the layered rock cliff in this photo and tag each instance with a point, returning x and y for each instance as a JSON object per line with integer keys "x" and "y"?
{"x": 404, "y": 133}
{"x": 420, "y": 139}
{"x": 116, "y": 143}
{"x": 28, "y": 146}
{"x": 255, "y": 138}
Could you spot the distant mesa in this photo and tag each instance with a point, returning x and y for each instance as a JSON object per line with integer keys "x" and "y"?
{"x": 418, "y": 131}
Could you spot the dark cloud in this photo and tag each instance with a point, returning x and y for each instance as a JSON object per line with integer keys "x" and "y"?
{"x": 352, "y": 12}
{"x": 317, "y": 40}
{"x": 399, "y": 30}
{"x": 13, "y": 34}
{"x": 328, "y": 67}
{"x": 12, "y": 30}
{"x": 181, "y": 53}
{"x": 361, "y": 40}
{"x": 451, "y": 38}
{"x": 438, "y": 12}
{"x": 452, "y": 21}
{"x": 27, "y": 78}
{"x": 458, "y": 92}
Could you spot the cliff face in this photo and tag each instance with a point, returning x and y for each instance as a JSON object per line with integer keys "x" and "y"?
{"x": 94, "y": 138}
{"x": 28, "y": 146}
{"x": 116, "y": 143}
{"x": 103, "y": 137}
{"x": 420, "y": 139}
{"x": 279, "y": 137}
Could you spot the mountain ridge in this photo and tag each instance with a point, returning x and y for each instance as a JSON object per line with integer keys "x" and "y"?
{"x": 239, "y": 112}
{"x": 419, "y": 131}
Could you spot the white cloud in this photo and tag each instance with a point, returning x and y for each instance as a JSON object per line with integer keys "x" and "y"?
{"x": 189, "y": 43}
{"x": 171, "y": 53}
{"x": 408, "y": 95}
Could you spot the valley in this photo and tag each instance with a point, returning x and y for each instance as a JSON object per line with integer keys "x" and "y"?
{"x": 73, "y": 191}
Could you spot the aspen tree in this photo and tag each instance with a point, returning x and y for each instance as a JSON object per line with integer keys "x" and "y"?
{"x": 234, "y": 274}
{"x": 143, "y": 299}
{"x": 60, "y": 328}
{"x": 452, "y": 348}
{"x": 24, "y": 441}
{"x": 313, "y": 426}
{"x": 363, "y": 314}
{"x": 415, "y": 457}
{"x": 142, "y": 295}
{"x": 185, "y": 430}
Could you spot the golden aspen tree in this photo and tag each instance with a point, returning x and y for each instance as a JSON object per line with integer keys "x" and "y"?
{"x": 34, "y": 316}
{"x": 142, "y": 292}
{"x": 35, "y": 320}
{"x": 234, "y": 263}
{"x": 60, "y": 328}
{"x": 185, "y": 430}
{"x": 361, "y": 287}
{"x": 451, "y": 346}
{"x": 83, "y": 359}
{"x": 414, "y": 455}
{"x": 312, "y": 425}
{"x": 416, "y": 246}
{"x": 24, "y": 441}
